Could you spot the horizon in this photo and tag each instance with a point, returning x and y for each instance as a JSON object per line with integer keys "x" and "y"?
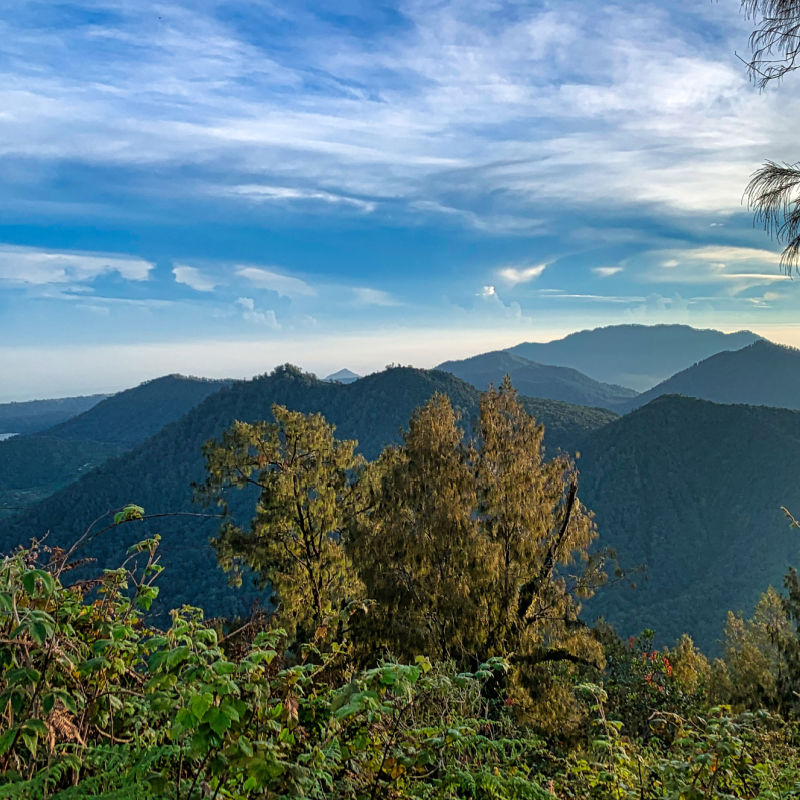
{"x": 242, "y": 372}
{"x": 350, "y": 186}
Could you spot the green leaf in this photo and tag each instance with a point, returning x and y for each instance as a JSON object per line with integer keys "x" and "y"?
{"x": 174, "y": 657}
{"x": 6, "y": 738}
{"x": 128, "y": 513}
{"x": 218, "y": 722}
{"x": 200, "y": 703}
{"x": 30, "y": 742}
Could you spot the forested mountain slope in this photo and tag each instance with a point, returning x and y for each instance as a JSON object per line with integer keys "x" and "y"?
{"x": 638, "y": 356}
{"x": 34, "y": 466}
{"x": 131, "y": 416}
{"x": 31, "y": 416}
{"x": 762, "y": 373}
{"x": 537, "y": 380}
{"x": 158, "y": 474}
{"x": 694, "y": 491}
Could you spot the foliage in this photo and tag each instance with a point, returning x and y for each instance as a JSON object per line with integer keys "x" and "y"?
{"x": 97, "y": 703}
{"x": 308, "y": 491}
{"x": 469, "y": 551}
{"x": 773, "y": 191}
{"x": 640, "y": 680}
{"x": 716, "y": 754}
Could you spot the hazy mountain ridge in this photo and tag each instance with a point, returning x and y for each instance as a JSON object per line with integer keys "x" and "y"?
{"x": 538, "y": 380}
{"x": 31, "y": 416}
{"x": 34, "y": 466}
{"x": 639, "y": 356}
{"x": 762, "y": 373}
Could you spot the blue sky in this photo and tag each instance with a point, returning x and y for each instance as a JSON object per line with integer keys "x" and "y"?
{"x": 216, "y": 188}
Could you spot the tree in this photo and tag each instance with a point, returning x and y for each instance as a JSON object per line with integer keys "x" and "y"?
{"x": 774, "y": 190}
{"x": 479, "y": 550}
{"x": 308, "y": 490}
{"x": 529, "y": 512}
{"x": 418, "y": 550}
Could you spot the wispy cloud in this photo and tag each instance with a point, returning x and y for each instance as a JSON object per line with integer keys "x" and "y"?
{"x": 34, "y": 267}
{"x": 193, "y": 278}
{"x": 259, "y": 193}
{"x": 515, "y": 275}
{"x": 607, "y": 272}
{"x": 284, "y": 285}
{"x": 250, "y": 313}
{"x": 374, "y": 297}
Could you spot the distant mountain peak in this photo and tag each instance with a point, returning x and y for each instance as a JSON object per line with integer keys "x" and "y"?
{"x": 342, "y": 376}
{"x": 760, "y": 374}
{"x": 639, "y": 356}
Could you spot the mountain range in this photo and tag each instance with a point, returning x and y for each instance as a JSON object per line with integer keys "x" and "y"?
{"x": 762, "y": 373}
{"x": 33, "y": 466}
{"x": 538, "y": 380}
{"x": 38, "y": 415}
{"x": 693, "y": 491}
{"x": 638, "y": 356}
{"x": 686, "y": 487}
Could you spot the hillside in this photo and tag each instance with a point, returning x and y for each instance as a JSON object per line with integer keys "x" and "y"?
{"x": 158, "y": 474}
{"x": 638, "y": 356}
{"x": 763, "y": 374}
{"x": 32, "y": 467}
{"x": 129, "y": 417}
{"x": 37, "y": 415}
{"x": 537, "y": 380}
{"x": 693, "y": 490}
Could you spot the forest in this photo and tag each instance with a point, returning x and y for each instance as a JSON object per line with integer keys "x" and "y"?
{"x": 424, "y": 639}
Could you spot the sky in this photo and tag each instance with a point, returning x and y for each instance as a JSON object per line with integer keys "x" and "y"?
{"x": 215, "y": 188}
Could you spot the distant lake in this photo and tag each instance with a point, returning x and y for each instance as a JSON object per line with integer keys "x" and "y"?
{"x": 4, "y": 436}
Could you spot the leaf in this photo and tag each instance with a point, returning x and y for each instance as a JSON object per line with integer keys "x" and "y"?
{"x": 128, "y": 513}
{"x": 200, "y": 703}
{"x": 217, "y": 721}
{"x": 7, "y": 738}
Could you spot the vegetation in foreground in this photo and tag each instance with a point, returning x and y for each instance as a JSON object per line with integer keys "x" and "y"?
{"x": 426, "y": 644}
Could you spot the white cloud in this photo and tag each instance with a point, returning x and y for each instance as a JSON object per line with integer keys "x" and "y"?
{"x": 261, "y": 193}
{"x": 606, "y": 272}
{"x": 638, "y": 107}
{"x": 284, "y": 285}
{"x": 374, "y": 297}
{"x": 193, "y": 278}
{"x": 515, "y": 275}
{"x": 35, "y": 267}
{"x": 487, "y": 291}
{"x": 249, "y": 313}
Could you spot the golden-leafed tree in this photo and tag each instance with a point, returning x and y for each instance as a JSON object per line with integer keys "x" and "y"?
{"x": 307, "y": 488}
{"x": 419, "y": 549}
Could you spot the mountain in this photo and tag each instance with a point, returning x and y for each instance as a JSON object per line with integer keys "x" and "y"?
{"x": 158, "y": 473}
{"x": 638, "y": 356}
{"x": 693, "y": 490}
{"x": 37, "y": 415}
{"x": 762, "y": 373}
{"x": 131, "y": 416}
{"x": 537, "y": 380}
{"x": 343, "y": 376}
{"x": 36, "y": 465}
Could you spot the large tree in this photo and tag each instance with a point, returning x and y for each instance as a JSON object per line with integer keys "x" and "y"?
{"x": 478, "y": 550}
{"x": 307, "y": 489}
{"x": 774, "y": 190}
